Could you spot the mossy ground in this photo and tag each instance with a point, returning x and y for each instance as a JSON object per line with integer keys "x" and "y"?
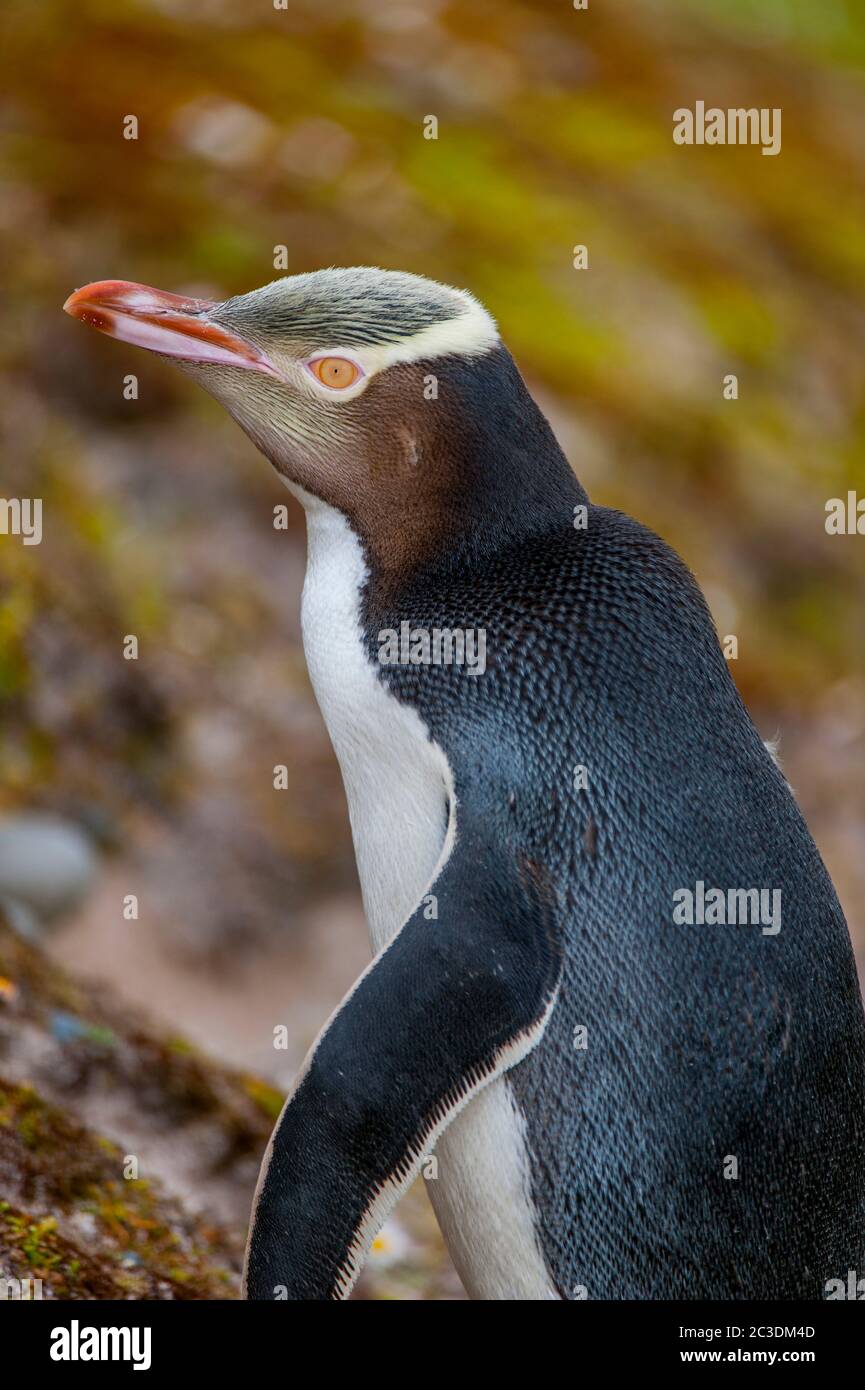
{"x": 73, "y": 1212}
{"x": 84, "y": 1230}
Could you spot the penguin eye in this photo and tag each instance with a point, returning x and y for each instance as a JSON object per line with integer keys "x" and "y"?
{"x": 335, "y": 372}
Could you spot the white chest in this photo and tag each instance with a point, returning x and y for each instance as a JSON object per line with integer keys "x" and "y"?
{"x": 401, "y": 804}
{"x": 397, "y": 781}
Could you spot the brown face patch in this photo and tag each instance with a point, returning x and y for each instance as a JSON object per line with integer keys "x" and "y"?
{"x": 403, "y": 493}
{"x": 448, "y": 459}
{"x": 434, "y": 462}
{"x": 396, "y": 463}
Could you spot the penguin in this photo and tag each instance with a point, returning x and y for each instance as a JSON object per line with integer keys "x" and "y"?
{"x": 612, "y": 1011}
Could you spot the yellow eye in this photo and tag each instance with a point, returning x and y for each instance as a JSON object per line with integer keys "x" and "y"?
{"x": 336, "y": 372}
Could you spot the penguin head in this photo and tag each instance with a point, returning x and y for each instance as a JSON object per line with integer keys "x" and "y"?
{"x": 383, "y": 394}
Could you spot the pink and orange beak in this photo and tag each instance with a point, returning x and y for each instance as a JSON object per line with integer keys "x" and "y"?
{"x": 172, "y": 324}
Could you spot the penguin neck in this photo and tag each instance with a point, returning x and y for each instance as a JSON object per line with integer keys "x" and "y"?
{"x": 398, "y": 783}
{"x": 449, "y": 463}
{"x": 488, "y": 472}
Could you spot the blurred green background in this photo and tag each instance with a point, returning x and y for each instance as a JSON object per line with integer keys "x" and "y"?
{"x": 303, "y": 128}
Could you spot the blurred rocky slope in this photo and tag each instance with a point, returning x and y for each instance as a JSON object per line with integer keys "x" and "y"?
{"x": 78, "y": 1067}
{"x": 87, "y": 1086}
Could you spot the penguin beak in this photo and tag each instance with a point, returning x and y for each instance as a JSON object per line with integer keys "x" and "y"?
{"x": 171, "y": 324}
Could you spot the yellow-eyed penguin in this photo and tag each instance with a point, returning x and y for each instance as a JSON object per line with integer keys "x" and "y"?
{"x": 613, "y": 986}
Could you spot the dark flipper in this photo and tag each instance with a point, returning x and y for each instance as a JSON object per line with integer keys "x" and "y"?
{"x": 451, "y": 1003}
